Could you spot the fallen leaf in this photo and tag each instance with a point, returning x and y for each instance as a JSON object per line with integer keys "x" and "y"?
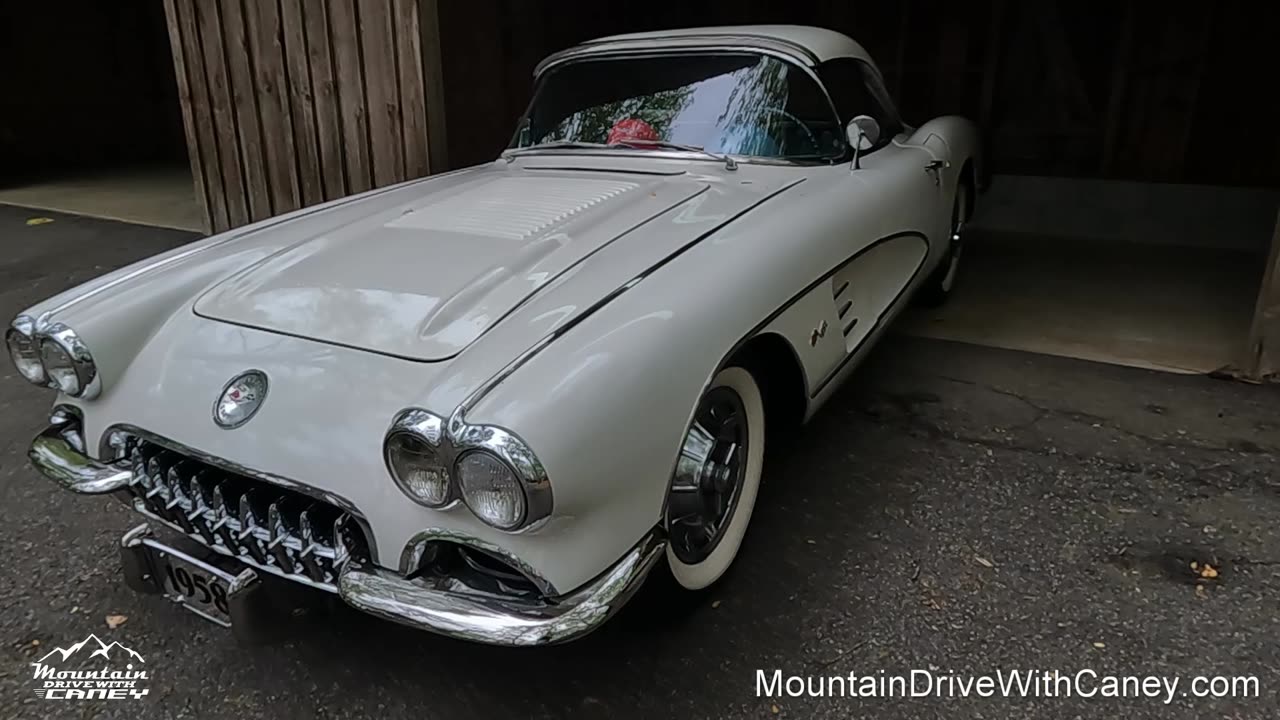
{"x": 39, "y": 221}
{"x": 1208, "y": 571}
{"x": 115, "y": 621}
{"x": 983, "y": 561}
{"x": 1195, "y": 565}
{"x": 35, "y": 643}
{"x": 773, "y": 709}
{"x": 1099, "y": 645}
{"x": 715, "y": 604}
{"x": 1200, "y": 592}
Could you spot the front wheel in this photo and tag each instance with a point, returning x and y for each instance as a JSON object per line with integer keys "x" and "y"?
{"x": 938, "y": 287}
{"x": 717, "y": 476}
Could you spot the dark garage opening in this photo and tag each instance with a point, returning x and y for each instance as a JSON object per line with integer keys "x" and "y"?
{"x": 91, "y": 122}
{"x": 1134, "y": 160}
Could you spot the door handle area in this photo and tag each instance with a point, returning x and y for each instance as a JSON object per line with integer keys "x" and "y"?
{"x": 934, "y": 168}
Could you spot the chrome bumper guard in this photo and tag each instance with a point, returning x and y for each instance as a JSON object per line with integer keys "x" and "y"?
{"x": 430, "y": 604}
{"x": 494, "y": 619}
{"x": 54, "y": 453}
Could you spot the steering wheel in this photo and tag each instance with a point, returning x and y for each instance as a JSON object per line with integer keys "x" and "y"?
{"x": 812, "y": 138}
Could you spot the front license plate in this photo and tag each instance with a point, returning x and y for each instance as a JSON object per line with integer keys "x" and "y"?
{"x": 196, "y": 585}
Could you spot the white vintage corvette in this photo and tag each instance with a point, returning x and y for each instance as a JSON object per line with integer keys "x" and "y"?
{"x": 487, "y": 403}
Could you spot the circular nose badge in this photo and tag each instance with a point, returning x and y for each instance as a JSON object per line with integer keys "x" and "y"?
{"x": 240, "y": 399}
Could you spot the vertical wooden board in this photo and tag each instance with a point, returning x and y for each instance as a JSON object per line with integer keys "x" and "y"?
{"x": 324, "y": 93}
{"x": 267, "y": 51}
{"x": 413, "y": 109}
{"x": 898, "y": 70}
{"x": 224, "y": 122}
{"x": 378, "y": 49}
{"x": 202, "y": 113}
{"x": 244, "y": 105}
{"x": 351, "y": 98}
{"x": 1116, "y": 93}
{"x": 306, "y": 142}
{"x": 951, "y": 65}
{"x": 188, "y": 113}
{"x": 433, "y": 84}
{"x": 991, "y": 70}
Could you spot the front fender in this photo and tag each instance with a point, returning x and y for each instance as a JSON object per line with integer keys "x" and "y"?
{"x": 606, "y": 405}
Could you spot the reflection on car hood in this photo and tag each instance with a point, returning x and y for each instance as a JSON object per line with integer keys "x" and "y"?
{"x": 423, "y": 280}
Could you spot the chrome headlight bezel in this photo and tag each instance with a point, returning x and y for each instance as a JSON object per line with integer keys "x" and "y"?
{"x": 453, "y": 439}
{"x": 426, "y": 429}
{"x": 19, "y": 340}
{"x": 88, "y": 382}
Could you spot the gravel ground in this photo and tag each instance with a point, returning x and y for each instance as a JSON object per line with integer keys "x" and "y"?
{"x": 955, "y": 509}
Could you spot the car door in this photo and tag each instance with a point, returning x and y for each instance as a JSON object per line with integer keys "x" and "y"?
{"x": 903, "y": 241}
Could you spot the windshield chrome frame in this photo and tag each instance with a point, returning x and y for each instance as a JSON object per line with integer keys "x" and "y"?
{"x": 511, "y": 153}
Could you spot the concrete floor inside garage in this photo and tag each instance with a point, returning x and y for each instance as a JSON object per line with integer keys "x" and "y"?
{"x": 1167, "y": 308}
{"x": 1140, "y": 274}
{"x": 160, "y": 195}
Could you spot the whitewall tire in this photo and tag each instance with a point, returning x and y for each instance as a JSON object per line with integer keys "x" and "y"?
{"x": 717, "y": 477}
{"x": 943, "y": 280}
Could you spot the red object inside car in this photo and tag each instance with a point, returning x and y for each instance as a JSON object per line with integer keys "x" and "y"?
{"x": 632, "y": 129}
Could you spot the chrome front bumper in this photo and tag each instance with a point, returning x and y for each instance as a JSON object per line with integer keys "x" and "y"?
{"x": 427, "y": 604}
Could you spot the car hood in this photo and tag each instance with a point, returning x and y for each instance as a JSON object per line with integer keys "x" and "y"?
{"x": 423, "y": 279}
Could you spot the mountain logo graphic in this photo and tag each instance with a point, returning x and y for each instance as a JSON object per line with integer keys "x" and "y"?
{"x": 101, "y": 671}
{"x": 99, "y": 649}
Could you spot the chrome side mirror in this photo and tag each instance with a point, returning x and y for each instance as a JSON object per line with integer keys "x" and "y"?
{"x": 863, "y": 133}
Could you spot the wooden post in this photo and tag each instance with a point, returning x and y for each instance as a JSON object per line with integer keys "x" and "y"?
{"x": 188, "y": 116}
{"x": 1263, "y": 359}
{"x": 1119, "y": 79}
{"x": 991, "y": 71}
{"x": 433, "y": 80}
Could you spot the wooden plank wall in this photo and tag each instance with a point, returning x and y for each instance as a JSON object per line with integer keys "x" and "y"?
{"x": 288, "y": 103}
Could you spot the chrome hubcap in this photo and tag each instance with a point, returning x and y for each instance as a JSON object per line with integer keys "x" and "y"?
{"x": 708, "y": 478}
{"x": 957, "y": 249}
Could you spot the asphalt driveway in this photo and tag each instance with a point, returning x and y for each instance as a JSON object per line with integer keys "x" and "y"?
{"x": 956, "y": 509}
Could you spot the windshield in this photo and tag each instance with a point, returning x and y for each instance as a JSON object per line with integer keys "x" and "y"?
{"x": 740, "y": 104}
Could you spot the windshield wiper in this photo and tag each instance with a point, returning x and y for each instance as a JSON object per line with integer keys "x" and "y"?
{"x": 729, "y": 162}
{"x": 565, "y": 144}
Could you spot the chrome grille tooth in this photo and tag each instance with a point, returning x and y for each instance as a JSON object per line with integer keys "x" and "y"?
{"x": 177, "y": 489}
{"x": 222, "y": 525}
{"x": 176, "y": 502}
{"x": 250, "y": 523}
{"x": 280, "y": 537}
{"x": 158, "y": 495}
{"x": 340, "y": 551}
{"x": 310, "y": 560}
{"x": 138, "y": 464}
{"x": 199, "y": 515}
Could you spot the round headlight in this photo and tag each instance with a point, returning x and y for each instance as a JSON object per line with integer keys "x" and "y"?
{"x": 491, "y": 489}
{"x": 67, "y": 362}
{"x": 416, "y": 468}
{"x": 60, "y": 366}
{"x": 26, "y": 357}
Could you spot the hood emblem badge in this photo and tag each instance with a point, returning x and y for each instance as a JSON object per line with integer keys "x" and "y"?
{"x": 240, "y": 399}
